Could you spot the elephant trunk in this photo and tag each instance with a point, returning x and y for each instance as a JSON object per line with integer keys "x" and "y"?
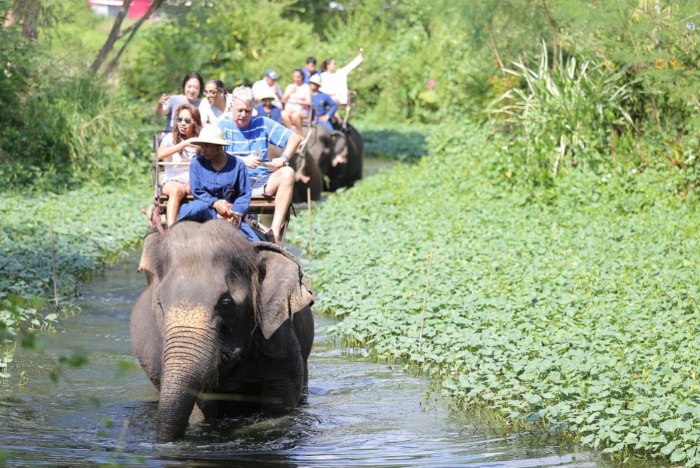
{"x": 190, "y": 358}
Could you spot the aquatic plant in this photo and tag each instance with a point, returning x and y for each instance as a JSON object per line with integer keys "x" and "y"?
{"x": 77, "y": 232}
{"x": 571, "y": 308}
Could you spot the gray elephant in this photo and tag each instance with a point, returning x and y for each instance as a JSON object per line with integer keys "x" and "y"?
{"x": 220, "y": 316}
{"x": 345, "y": 175}
{"x": 339, "y": 155}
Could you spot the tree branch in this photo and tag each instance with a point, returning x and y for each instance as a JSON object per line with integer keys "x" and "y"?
{"x": 117, "y": 34}
{"x": 555, "y": 35}
{"x": 113, "y": 37}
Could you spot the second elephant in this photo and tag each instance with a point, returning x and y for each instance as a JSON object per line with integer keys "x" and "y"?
{"x": 332, "y": 160}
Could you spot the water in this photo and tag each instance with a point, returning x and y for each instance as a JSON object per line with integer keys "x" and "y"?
{"x": 358, "y": 413}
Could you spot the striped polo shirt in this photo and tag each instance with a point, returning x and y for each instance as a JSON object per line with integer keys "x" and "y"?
{"x": 255, "y": 137}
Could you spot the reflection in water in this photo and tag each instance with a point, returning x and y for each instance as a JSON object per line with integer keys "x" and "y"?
{"x": 358, "y": 414}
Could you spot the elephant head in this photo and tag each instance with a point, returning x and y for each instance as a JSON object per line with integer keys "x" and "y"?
{"x": 220, "y": 315}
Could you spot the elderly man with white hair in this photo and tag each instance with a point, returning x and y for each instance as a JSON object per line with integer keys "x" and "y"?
{"x": 249, "y": 137}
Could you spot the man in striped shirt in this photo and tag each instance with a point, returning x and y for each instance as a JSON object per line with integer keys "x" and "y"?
{"x": 249, "y": 137}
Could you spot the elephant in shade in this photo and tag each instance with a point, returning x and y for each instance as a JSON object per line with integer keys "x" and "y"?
{"x": 223, "y": 316}
{"x": 331, "y": 160}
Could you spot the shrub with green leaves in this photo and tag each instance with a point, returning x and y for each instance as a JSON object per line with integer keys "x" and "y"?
{"x": 571, "y": 308}
{"x": 568, "y": 116}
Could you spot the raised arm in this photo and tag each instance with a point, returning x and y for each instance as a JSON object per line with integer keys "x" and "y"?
{"x": 354, "y": 63}
{"x": 167, "y": 151}
{"x": 162, "y": 105}
{"x": 287, "y": 91}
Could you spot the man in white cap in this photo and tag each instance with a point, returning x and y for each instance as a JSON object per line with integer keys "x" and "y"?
{"x": 268, "y": 85}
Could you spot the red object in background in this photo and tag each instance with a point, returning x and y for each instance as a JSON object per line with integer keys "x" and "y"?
{"x": 137, "y": 9}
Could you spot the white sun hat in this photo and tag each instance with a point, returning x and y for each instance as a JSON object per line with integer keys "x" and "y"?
{"x": 212, "y": 135}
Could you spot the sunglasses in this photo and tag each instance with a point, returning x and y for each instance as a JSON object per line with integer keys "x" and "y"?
{"x": 187, "y": 120}
{"x": 211, "y": 92}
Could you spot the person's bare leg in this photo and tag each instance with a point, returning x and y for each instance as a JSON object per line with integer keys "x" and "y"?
{"x": 287, "y": 119}
{"x": 175, "y": 192}
{"x": 281, "y": 184}
{"x": 296, "y": 121}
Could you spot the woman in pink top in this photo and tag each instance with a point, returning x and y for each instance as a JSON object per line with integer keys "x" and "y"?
{"x": 297, "y": 99}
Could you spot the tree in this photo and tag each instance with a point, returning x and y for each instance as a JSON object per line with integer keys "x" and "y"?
{"x": 116, "y": 34}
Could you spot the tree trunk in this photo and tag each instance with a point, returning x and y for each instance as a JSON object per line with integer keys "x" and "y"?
{"x": 116, "y": 33}
{"x": 555, "y": 35}
{"x": 26, "y": 13}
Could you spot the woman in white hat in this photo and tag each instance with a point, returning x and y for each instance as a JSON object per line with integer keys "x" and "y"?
{"x": 219, "y": 183}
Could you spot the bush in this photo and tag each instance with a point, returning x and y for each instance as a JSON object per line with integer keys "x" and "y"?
{"x": 566, "y": 117}
{"x": 569, "y": 309}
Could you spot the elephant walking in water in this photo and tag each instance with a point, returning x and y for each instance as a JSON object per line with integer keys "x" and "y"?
{"x": 331, "y": 160}
{"x": 220, "y": 315}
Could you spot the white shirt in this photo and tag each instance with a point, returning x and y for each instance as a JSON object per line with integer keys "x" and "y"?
{"x": 336, "y": 84}
{"x": 177, "y": 173}
{"x": 212, "y": 114}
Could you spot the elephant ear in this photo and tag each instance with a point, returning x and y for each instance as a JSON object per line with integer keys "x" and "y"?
{"x": 283, "y": 289}
{"x": 151, "y": 241}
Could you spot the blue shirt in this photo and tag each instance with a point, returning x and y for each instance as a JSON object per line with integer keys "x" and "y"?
{"x": 323, "y": 104}
{"x": 274, "y": 114}
{"x": 260, "y": 132}
{"x": 308, "y": 75}
{"x": 209, "y": 185}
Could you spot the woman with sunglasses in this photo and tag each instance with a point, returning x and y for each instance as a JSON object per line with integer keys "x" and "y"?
{"x": 177, "y": 147}
{"x": 217, "y": 102}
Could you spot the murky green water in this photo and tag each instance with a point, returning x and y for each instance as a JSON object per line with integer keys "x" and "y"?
{"x": 358, "y": 414}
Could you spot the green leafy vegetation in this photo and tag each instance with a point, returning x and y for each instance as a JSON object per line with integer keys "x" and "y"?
{"x": 553, "y": 192}
{"x": 572, "y": 308}
{"x": 91, "y": 226}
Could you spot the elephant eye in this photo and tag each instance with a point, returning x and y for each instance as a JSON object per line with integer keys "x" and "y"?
{"x": 225, "y": 300}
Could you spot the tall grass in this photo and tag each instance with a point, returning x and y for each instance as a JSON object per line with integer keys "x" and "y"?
{"x": 567, "y": 116}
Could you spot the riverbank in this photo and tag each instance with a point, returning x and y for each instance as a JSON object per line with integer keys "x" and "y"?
{"x": 91, "y": 227}
{"x": 569, "y": 308}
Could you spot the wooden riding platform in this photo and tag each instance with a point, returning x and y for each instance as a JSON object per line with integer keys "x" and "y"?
{"x": 259, "y": 205}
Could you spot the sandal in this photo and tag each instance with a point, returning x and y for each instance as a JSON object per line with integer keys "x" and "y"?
{"x": 270, "y": 236}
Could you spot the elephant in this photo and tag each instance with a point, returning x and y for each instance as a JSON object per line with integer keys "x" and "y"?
{"x": 306, "y": 175}
{"x": 339, "y": 156}
{"x": 330, "y": 161}
{"x": 344, "y": 175}
{"x": 223, "y": 322}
